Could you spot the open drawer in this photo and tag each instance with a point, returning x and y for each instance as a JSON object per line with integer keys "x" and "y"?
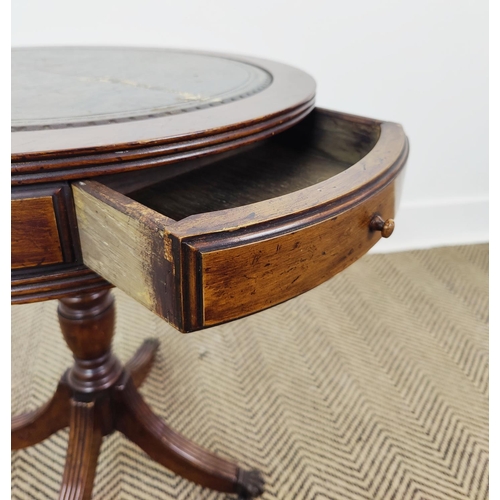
{"x": 251, "y": 229}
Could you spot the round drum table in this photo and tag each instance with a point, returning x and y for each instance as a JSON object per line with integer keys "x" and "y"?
{"x": 206, "y": 186}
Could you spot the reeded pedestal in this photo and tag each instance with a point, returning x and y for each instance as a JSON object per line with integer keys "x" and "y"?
{"x": 98, "y": 396}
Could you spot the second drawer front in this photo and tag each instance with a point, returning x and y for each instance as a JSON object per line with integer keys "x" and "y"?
{"x": 42, "y": 233}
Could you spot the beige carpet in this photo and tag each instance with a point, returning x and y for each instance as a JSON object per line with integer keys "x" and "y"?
{"x": 372, "y": 386}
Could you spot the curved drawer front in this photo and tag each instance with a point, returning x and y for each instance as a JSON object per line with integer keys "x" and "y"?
{"x": 250, "y": 230}
{"x": 240, "y": 280}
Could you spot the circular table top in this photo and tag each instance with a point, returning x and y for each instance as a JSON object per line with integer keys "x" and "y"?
{"x": 86, "y": 102}
{"x": 85, "y": 86}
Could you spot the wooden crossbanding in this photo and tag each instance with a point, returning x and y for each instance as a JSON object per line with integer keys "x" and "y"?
{"x": 372, "y": 386}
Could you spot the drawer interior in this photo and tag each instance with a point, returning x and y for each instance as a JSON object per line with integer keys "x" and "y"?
{"x": 319, "y": 147}
{"x": 207, "y": 241}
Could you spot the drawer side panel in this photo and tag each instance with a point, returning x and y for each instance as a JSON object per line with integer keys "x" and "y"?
{"x": 123, "y": 248}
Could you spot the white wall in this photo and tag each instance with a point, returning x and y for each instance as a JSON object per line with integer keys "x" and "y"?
{"x": 423, "y": 64}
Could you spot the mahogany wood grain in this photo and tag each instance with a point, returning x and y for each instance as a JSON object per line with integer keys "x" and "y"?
{"x": 137, "y": 422}
{"x": 87, "y": 323}
{"x": 241, "y": 280}
{"x": 44, "y": 231}
{"x": 55, "y": 283}
{"x": 130, "y": 160}
{"x": 85, "y": 437}
{"x": 31, "y": 428}
{"x": 140, "y": 364}
{"x": 285, "y": 215}
{"x": 34, "y": 236}
{"x": 293, "y": 172}
{"x": 41, "y": 276}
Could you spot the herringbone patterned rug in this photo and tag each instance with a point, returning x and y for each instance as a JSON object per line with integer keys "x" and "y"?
{"x": 372, "y": 386}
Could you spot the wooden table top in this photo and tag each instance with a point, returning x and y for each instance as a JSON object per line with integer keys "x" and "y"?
{"x": 204, "y": 185}
{"x": 69, "y": 102}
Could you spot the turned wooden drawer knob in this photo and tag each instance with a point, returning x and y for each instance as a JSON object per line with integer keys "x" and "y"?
{"x": 386, "y": 227}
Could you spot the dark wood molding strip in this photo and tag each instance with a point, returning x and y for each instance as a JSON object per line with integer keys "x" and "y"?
{"x": 150, "y": 157}
{"x": 54, "y": 285}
